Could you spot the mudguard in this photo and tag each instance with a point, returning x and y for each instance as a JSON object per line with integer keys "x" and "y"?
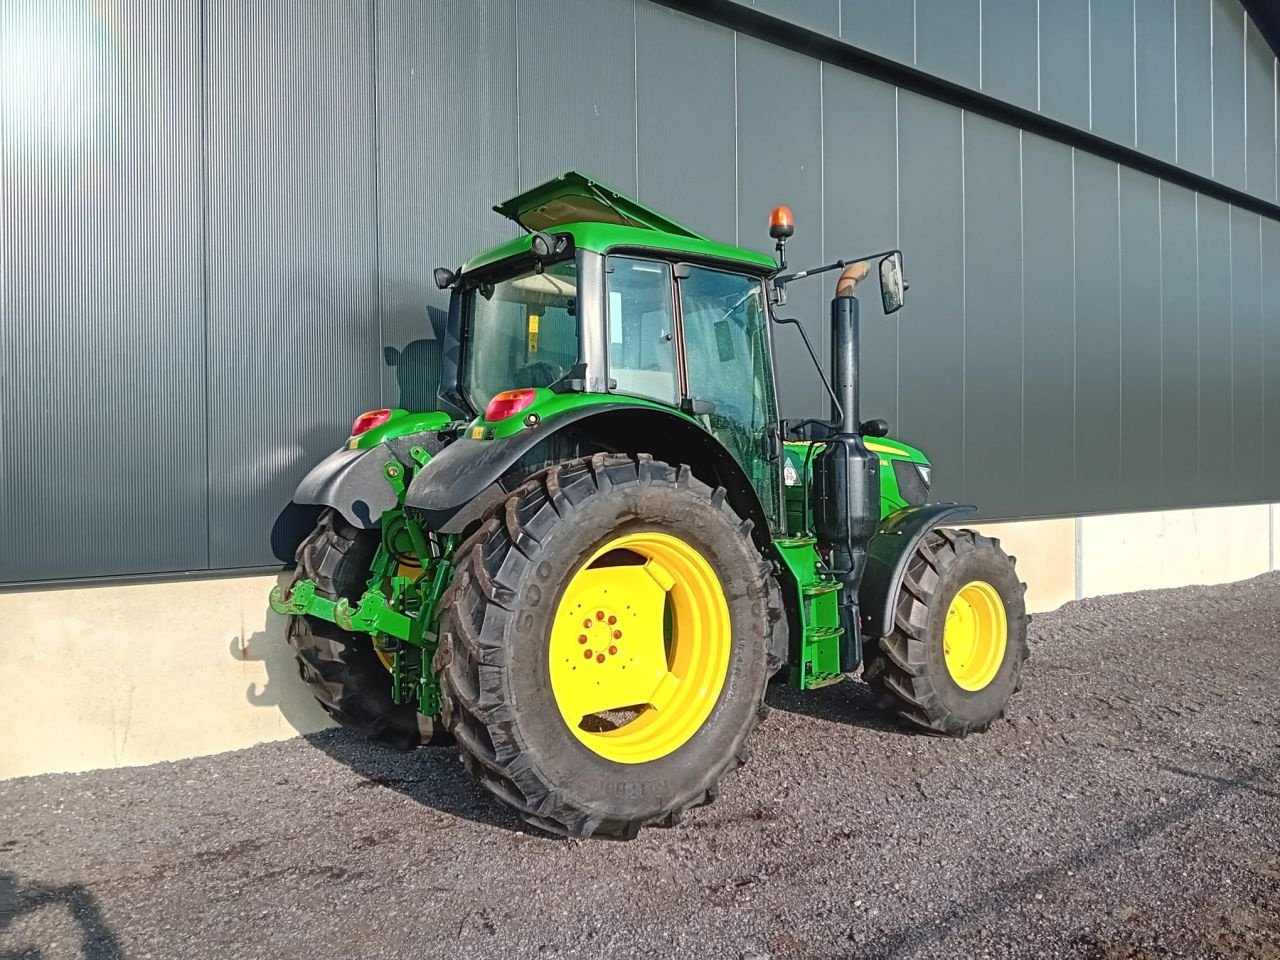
{"x": 352, "y": 482}
{"x": 887, "y": 556}
{"x": 462, "y": 480}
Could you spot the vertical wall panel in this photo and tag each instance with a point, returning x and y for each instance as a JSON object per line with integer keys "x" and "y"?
{"x": 884, "y": 28}
{"x": 294, "y": 345}
{"x": 1260, "y": 118}
{"x": 1064, "y": 60}
{"x": 1195, "y": 86}
{"x": 860, "y": 213}
{"x": 1111, "y": 69}
{"x": 1140, "y": 340}
{"x": 931, "y": 327}
{"x": 1214, "y": 252}
{"x": 1098, "y": 345}
{"x": 1156, "y": 79}
{"x": 1247, "y": 371}
{"x": 783, "y": 91}
{"x": 100, "y": 290}
{"x": 1180, "y": 364}
{"x": 1009, "y": 60}
{"x": 1228, "y": 92}
{"x": 686, "y": 157}
{"x": 439, "y": 171}
{"x": 948, "y": 42}
{"x": 993, "y": 315}
{"x": 576, "y": 75}
{"x": 213, "y": 235}
{"x": 1271, "y": 356}
{"x": 1049, "y": 350}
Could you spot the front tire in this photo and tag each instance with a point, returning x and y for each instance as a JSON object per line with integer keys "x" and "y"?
{"x": 531, "y": 641}
{"x": 959, "y": 636}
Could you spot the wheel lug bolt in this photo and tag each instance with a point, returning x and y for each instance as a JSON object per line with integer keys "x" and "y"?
{"x": 617, "y": 634}
{"x": 599, "y": 658}
{"x": 586, "y": 623}
{"x": 612, "y": 621}
{"x": 599, "y": 614}
{"x": 582, "y": 638}
{"x": 587, "y": 654}
{"x": 613, "y": 651}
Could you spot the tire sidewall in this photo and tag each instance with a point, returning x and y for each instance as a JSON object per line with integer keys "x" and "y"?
{"x": 644, "y": 789}
{"x": 977, "y": 707}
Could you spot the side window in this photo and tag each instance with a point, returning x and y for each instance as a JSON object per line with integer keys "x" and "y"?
{"x": 726, "y": 355}
{"x": 642, "y": 354}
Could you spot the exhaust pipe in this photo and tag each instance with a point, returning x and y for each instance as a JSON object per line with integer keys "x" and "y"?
{"x": 846, "y": 476}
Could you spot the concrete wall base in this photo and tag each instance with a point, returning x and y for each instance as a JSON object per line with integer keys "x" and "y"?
{"x": 125, "y": 675}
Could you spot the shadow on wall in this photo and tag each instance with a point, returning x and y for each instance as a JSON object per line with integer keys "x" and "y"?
{"x": 417, "y": 366}
{"x": 38, "y": 920}
{"x": 417, "y": 369}
{"x": 284, "y": 690}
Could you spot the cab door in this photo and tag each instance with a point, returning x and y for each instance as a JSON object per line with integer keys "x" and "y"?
{"x": 729, "y": 371}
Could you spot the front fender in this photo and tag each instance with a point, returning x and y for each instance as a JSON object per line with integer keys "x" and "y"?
{"x": 887, "y": 556}
{"x": 353, "y": 483}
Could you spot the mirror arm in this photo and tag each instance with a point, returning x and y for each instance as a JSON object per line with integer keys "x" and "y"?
{"x": 835, "y": 401}
{"x": 786, "y": 278}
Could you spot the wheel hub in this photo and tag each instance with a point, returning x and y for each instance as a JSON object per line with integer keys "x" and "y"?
{"x": 976, "y": 635}
{"x": 644, "y": 633}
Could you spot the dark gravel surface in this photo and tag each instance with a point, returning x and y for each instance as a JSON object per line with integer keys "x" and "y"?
{"x": 1129, "y": 808}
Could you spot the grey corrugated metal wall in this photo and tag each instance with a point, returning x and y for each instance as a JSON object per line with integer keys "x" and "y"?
{"x": 219, "y": 215}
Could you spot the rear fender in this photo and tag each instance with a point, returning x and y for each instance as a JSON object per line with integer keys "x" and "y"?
{"x": 470, "y": 475}
{"x": 353, "y": 483}
{"x": 888, "y": 554}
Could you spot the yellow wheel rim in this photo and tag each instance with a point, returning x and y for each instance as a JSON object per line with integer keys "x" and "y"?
{"x": 975, "y": 636}
{"x": 640, "y": 646}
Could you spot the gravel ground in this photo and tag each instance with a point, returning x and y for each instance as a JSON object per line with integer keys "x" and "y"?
{"x": 1128, "y": 808}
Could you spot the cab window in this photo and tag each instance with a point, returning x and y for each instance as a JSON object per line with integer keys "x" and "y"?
{"x": 642, "y": 356}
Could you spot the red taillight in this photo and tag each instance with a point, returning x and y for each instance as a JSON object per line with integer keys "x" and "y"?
{"x": 368, "y": 420}
{"x": 508, "y": 403}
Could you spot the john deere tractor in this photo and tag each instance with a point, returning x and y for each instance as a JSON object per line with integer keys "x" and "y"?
{"x": 588, "y": 563}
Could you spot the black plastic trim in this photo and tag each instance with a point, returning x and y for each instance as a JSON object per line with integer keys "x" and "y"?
{"x": 352, "y": 482}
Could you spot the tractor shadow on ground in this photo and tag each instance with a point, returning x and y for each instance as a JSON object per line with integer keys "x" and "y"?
{"x": 851, "y": 702}
{"x": 432, "y": 776}
{"x": 81, "y": 920}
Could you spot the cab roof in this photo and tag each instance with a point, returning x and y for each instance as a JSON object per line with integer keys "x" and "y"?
{"x": 602, "y": 219}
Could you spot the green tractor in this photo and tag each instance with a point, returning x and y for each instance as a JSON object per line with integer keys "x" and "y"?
{"x": 589, "y": 563}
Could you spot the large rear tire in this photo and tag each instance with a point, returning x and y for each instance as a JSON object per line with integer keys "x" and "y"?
{"x": 959, "y": 636}
{"x": 589, "y": 568}
{"x": 341, "y": 668}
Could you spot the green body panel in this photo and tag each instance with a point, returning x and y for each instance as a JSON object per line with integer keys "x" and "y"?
{"x": 815, "y": 654}
{"x": 402, "y": 423}
{"x": 799, "y": 463}
{"x": 602, "y": 237}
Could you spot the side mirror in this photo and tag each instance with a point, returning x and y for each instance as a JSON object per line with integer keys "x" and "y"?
{"x": 893, "y": 288}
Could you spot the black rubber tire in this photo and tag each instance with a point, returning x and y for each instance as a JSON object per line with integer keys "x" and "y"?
{"x": 493, "y": 659}
{"x": 341, "y": 668}
{"x": 908, "y": 668}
